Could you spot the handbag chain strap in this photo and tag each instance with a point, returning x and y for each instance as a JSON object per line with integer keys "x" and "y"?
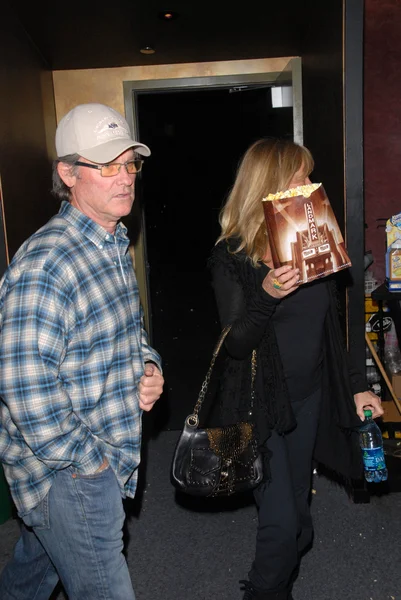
{"x": 193, "y": 419}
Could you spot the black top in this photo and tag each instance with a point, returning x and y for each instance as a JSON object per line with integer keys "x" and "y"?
{"x": 299, "y": 325}
{"x": 243, "y": 303}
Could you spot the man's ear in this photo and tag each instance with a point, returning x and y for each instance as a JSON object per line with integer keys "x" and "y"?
{"x": 65, "y": 171}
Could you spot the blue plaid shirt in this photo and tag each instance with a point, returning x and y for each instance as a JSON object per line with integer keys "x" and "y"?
{"x": 72, "y": 351}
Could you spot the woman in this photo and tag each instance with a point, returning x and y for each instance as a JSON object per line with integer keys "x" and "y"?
{"x": 309, "y": 401}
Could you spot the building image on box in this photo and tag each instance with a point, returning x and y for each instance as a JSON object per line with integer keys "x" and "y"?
{"x": 304, "y": 233}
{"x": 315, "y": 251}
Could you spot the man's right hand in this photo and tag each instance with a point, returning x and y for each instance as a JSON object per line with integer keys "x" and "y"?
{"x": 103, "y": 466}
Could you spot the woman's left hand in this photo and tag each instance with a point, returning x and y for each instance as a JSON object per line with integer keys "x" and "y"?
{"x": 368, "y": 401}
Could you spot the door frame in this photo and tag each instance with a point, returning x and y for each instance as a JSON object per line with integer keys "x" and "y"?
{"x": 354, "y": 204}
{"x": 290, "y": 75}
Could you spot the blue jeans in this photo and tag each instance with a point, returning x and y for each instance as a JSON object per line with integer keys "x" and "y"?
{"x": 75, "y": 535}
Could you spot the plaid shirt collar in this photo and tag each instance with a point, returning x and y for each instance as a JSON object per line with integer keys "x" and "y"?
{"x": 94, "y": 232}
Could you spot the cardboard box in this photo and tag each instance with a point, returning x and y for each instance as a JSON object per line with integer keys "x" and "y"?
{"x": 393, "y": 254}
{"x": 371, "y": 308}
{"x": 303, "y": 232}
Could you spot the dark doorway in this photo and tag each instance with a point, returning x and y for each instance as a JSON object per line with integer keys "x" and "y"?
{"x": 197, "y": 138}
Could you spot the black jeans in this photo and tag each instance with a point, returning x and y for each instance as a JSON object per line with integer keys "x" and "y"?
{"x": 285, "y": 526}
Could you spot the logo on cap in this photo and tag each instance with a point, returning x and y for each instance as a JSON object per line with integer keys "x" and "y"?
{"x": 112, "y": 125}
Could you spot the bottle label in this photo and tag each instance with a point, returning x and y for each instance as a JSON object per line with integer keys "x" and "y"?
{"x": 373, "y": 459}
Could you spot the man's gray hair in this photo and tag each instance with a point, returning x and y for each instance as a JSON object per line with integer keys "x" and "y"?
{"x": 60, "y": 190}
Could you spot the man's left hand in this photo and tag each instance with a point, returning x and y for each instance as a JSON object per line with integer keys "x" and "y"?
{"x": 150, "y": 387}
{"x": 368, "y": 401}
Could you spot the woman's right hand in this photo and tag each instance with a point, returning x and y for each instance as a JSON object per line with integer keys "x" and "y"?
{"x": 281, "y": 282}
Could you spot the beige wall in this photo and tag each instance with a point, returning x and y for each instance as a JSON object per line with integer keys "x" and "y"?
{"x": 106, "y": 85}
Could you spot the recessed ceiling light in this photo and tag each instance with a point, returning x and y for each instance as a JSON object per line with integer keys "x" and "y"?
{"x": 168, "y": 15}
{"x": 147, "y": 50}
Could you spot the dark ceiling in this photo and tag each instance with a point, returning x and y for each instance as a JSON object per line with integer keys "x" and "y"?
{"x": 80, "y": 35}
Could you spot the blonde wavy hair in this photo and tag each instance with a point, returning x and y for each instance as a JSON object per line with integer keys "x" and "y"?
{"x": 268, "y": 166}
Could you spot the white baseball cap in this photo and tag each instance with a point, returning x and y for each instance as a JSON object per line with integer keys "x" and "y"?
{"x": 95, "y": 132}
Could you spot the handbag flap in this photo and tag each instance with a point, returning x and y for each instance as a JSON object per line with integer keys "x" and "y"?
{"x": 230, "y": 442}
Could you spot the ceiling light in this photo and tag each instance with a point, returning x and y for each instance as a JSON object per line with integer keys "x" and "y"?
{"x": 168, "y": 15}
{"x": 147, "y": 50}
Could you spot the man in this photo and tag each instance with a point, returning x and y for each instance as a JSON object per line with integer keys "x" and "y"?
{"x": 76, "y": 371}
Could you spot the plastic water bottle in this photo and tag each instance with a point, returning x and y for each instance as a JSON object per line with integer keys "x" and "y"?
{"x": 392, "y": 354}
{"x": 371, "y": 443}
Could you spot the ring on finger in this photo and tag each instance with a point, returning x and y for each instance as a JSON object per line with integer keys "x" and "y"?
{"x": 276, "y": 283}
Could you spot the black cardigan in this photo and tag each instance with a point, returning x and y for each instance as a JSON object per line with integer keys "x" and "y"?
{"x": 243, "y": 303}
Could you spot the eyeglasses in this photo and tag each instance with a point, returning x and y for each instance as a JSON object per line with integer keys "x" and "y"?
{"x": 112, "y": 169}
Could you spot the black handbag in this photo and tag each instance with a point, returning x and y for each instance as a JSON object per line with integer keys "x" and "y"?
{"x": 219, "y": 461}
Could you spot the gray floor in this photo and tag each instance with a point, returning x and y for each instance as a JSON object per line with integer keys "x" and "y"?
{"x": 198, "y": 552}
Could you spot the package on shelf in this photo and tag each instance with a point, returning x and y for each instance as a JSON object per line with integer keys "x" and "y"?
{"x": 372, "y": 319}
{"x": 392, "y": 354}
{"x": 370, "y": 282}
{"x": 371, "y": 308}
{"x": 393, "y": 253}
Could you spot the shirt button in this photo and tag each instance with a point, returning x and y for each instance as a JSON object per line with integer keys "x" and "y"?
{"x": 101, "y": 246}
